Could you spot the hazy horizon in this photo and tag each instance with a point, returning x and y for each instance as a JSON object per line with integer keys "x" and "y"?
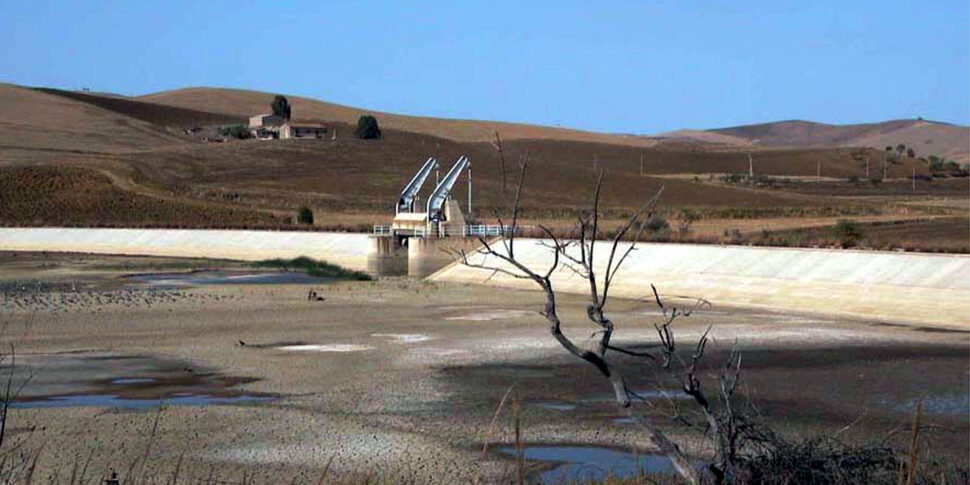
{"x": 623, "y": 68}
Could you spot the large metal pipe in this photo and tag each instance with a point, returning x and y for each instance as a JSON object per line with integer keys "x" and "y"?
{"x": 410, "y": 193}
{"x": 441, "y": 192}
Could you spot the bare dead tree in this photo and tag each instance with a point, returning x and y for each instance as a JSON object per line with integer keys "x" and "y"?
{"x": 499, "y": 257}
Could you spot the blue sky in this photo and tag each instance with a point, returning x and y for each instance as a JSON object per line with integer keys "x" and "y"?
{"x": 635, "y": 67}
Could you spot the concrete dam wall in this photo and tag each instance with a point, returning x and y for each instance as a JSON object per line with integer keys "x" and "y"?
{"x": 345, "y": 249}
{"x": 376, "y": 255}
{"x": 922, "y": 289}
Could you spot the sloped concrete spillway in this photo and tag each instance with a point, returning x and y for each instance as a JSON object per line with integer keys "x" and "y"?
{"x": 922, "y": 289}
{"x": 380, "y": 256}
{"x": 345, "y": 249}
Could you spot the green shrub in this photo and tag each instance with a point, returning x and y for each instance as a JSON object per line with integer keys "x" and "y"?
{"x": 367, "y": 128}
{"x": 313, "y": 267}
{"x": 848, "y": 233}
{"x": 687, "y": 218}
{"x": 305, "y": 216}
{"x": 239, "y": 132}
{"x": 657, "y": 224}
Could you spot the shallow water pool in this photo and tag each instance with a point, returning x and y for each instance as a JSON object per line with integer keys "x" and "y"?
{"x": 590, "y": 463}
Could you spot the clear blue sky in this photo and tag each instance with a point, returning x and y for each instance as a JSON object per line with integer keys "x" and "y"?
{"x": 639, "y": 67}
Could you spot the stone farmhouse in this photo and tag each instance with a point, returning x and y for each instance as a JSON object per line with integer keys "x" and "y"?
{"x": 271, "y": 127}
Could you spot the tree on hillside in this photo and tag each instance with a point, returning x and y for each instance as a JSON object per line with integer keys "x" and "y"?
{"x": 367, "y": 128}
{"x": 910, "y": 152}
{"x": 305, "y": 215}
{"x": 281, "y": 107}
{"x": 900, "y": 149}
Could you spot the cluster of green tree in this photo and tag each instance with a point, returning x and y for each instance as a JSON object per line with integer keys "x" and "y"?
{"x": 281, "y": 107}
{"x": 367, "y": 128}
{"x": 895, "y": 153}
{"x": 939, "y": 164}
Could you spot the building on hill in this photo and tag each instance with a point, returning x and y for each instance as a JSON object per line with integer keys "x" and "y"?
{"x": 267, "y": 121}
{"x": 269, "y": 127}
{"x": 304, "y": 130}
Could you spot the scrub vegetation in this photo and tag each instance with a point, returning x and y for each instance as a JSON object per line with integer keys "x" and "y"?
{"x": 313, "y": 267}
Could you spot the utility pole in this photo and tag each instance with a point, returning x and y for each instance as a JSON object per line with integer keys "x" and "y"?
{"x": 750, "y": 167}
{"x": 867, "y": 166}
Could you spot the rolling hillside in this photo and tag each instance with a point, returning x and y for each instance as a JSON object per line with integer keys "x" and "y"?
{"x": 247, "y": 103}
{"x": 161, "y": 115}
{"x": 31, "y": 120}
{"x": 119, "y": 161}
{"x": 926, "y": 137}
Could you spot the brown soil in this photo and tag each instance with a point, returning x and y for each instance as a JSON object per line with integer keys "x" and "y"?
{"x": 66, "y": 196}
{"x": 943, "y": 234}
{"x": 152, "y": 113}
{"x": 352, "y": 184}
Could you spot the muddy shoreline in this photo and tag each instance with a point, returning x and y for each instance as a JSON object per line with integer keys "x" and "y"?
{"x": 401, "y": 378}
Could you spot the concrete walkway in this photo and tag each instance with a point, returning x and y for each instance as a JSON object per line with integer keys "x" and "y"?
{"x": 922, "y": 289}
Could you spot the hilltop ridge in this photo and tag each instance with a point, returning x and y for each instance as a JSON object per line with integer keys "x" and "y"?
{"x": 925, "y": 137}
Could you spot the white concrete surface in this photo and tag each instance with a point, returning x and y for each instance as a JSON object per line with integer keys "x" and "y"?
{"x": 923, "y": 289}
{"x": 345, "y": 249}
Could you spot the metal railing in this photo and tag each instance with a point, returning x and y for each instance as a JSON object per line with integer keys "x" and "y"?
{"x": 477, "y": 230}
{"x": 480, "y": 230}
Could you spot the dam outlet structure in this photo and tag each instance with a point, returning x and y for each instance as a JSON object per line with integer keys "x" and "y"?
{"x": 421, "y": 237}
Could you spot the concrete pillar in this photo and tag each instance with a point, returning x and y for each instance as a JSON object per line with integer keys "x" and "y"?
{"x": 386, "y": 256}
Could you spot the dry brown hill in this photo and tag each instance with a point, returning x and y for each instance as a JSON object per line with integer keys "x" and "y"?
{"x": 111, "y": 160}
{"x": 926, "y": 137}
{"x": 706, "y": 137}
{"x": 162, "y": 115}
{"x": 248, "y": 103}
{"x": 31, "y": 120}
